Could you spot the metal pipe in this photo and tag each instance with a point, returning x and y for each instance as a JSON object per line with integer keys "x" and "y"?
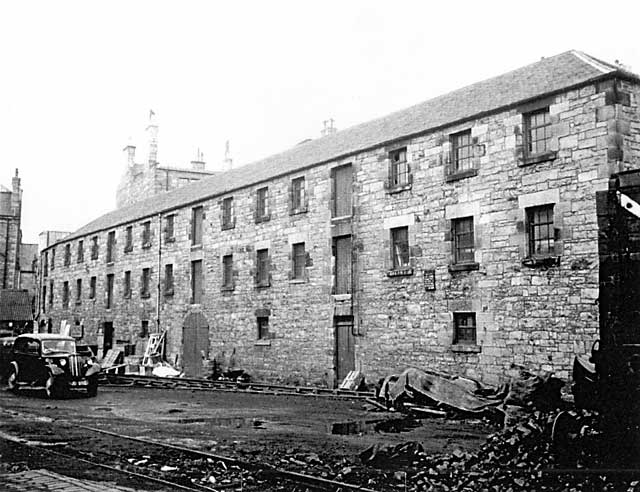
{"x": 6, "y": 256}
{"x": 159, "y": 272}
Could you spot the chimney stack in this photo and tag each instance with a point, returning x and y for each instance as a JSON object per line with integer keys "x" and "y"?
{"x": 152, "y": 132}
{"x": 198, "y": 164}
{"x": 131, "y": 154}
{"x": 228, "y": 161}
{"x": 328, "y": 127}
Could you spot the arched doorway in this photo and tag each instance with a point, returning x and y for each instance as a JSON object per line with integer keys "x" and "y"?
{"x": 195, "y": 344}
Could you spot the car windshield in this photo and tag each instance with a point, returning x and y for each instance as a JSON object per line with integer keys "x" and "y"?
{"x": 51, "y": 346}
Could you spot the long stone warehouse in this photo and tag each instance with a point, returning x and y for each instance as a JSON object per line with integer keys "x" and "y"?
{"x": 459, "y": 234}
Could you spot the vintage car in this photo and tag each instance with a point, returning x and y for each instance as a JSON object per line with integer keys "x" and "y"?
{"x": 51, "y": 362}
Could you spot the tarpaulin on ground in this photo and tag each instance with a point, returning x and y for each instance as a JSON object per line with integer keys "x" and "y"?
{"x": 433, "y": 388}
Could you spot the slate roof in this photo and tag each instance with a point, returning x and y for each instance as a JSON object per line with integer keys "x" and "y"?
{"x": 549, "y": 75}
{"x": 15, "y": 305}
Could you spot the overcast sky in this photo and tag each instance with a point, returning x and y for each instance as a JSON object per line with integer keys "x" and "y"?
{"x": 78, "y": 79}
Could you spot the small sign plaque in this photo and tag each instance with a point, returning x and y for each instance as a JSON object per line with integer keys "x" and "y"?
{"x": 429, "y": 279}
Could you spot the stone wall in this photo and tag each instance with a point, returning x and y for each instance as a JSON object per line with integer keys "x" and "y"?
{"x": 537, "y": 314}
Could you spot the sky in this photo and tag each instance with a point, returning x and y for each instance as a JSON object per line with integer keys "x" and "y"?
{"x": 78, "y": 78}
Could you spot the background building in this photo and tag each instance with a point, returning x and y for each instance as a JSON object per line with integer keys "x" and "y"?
{"x": 17, "y": 261}
{"x": 459, "y": 234}
{"x": 142, "y": 180}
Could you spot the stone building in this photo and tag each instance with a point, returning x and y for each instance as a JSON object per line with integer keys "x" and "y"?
{"x": 17, "y": 261}
{"x": 10, "y": 234}
{"x": 459, "y": 234}
{"x": 142, "y": 180}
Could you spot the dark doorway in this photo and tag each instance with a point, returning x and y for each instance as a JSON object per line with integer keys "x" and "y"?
{"x": 195, "y": 344}
{"x": 107, "y": 330}
{"x": 345, "y": 350}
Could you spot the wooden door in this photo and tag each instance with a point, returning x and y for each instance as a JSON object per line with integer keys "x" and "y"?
{"x": 107, "y": 344}
{"x": 345, "y": 350}
{"x": 342, "y": 184}
{"x": 195, "y": 344}
{"x": 342, "y": 252}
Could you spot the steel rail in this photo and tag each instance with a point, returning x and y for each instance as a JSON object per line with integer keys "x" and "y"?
{"x": 289, "y": 475}
{"x": 300, "y": 478}
{"x": 166, "y": 483}
{"x": 205, "y": 384}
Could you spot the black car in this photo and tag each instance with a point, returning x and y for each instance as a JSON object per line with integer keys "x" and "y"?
{"x": 51, "y": 362}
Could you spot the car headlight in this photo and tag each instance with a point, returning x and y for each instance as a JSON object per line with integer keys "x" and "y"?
{"x": 49, "y": 361}
{"x": 63, "y": 362}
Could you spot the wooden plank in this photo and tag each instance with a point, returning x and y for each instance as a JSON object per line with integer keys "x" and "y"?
{"x": 112, "y": 357}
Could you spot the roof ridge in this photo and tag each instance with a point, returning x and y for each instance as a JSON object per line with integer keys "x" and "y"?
{"x": 603, "y": 66}
{"x": 540, "y": 78}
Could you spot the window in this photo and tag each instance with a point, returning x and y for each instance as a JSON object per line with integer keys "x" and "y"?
{"x": 146, "y": 234}
{"x": 53, "y": 258}
{"x": 94, "y": 248}
{"x": 341, "y": 187}
{"x": 126, "y": 288}
{"x": 80, "y": 251}
{"x": 463, "y": 240}
{"x": 464, "y": 328}
{"x": 92, "y": 287}
{"x": 262, "y": 268}
{"x": 263, "y": 327}
{"x": 298, "y": 202}
{"x": 128, "y": 241}
{"x": 400, "y": 248}
{"x": 536, "y": 132}
{"x": 111, "y": 243}
{"x": 168, "y": 229}
{"x": 262, "y": 205}
{"x": 109, "y": 302}
{"x": 67, "y": 255}
{"x": 65, "y": 295}
{"x": 78, "y": 291}
{"x": 196, "y": 226}
{"x": 44, "y": 298}
{"x": 228, "y": 221}
{"x": 45, "y": 266}
{"x": 196, "y": 282}
{"x": 144, "y": 329}
{"x": 168, "y": 280}
{"x": 540, "y": 231}
{"x": 461, "y": 152}
{"x": 299, "y": 260}
{"x": 227, "y": 272}
{"x": 144, "y": 282}
{"x": 51, "y": 293}
{"x": 399, "y": 174}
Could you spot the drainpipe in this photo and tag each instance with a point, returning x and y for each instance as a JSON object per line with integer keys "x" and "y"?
{"x": 159, "y": 272}
{"x": 6, "y": 254}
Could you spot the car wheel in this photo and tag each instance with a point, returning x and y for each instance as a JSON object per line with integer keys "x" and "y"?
{"x": 12, "y": 380}
{"x": 53, "y": 387}
{"x": 92, "y": 388}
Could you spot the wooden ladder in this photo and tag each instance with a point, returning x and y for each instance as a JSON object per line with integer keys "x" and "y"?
{"x": 154, "y": 348}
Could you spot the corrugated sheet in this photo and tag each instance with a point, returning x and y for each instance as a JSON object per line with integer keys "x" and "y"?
{"x": 15, "y": 305}
{"x": 548, "y": 75}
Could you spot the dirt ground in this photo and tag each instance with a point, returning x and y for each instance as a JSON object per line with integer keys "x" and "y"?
{"x": 238, "y": 423}
{"x": 249, "y": 426}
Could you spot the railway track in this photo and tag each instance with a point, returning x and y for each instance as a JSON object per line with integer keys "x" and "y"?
{"x": 175, "y": 467}
{"x": 112, "y": 379}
